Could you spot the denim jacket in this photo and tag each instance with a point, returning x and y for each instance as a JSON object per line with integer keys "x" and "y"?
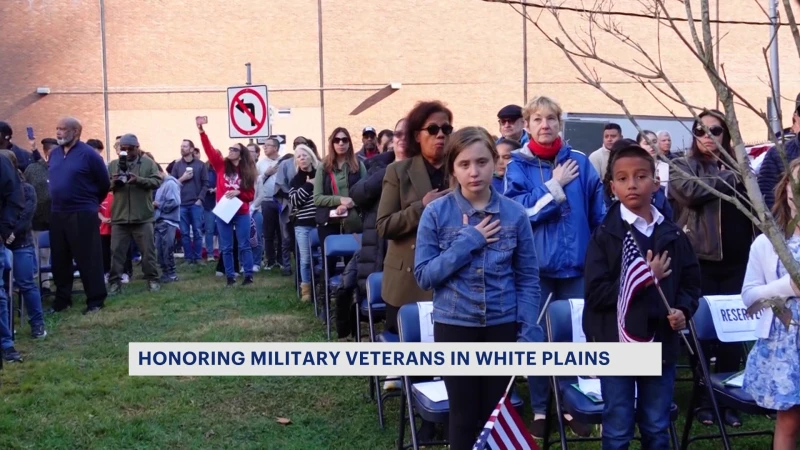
{"x": 476, "y": 284}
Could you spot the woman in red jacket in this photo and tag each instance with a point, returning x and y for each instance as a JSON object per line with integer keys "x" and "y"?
{"x": 236, "y": 177}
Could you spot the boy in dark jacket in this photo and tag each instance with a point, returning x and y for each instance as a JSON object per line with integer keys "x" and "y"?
{"x": 636, "y": 227}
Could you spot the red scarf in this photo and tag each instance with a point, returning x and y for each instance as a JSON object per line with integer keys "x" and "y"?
{"x": 548, "y": 152}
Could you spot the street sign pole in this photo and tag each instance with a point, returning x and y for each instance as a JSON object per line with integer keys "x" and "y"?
{"x": 249, "y": 82}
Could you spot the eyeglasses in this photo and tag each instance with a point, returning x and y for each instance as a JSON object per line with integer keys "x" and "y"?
{"x": 434, "y": 129}
{"x": 343, "y": 140}
{"x": 507, "y": 121}
{"x": 399, "y": 134}
{"x": 125, "y": 148}
{"x": 716, "y": 131}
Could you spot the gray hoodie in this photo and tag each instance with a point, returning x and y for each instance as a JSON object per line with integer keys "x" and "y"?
{"x": 168, "y": 197}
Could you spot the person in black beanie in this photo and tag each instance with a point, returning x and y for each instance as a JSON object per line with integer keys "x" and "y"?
{"x": 24, "y": 157}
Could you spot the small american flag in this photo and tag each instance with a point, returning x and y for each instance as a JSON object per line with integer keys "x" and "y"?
{"x": 505, "y": 429}
{"x": 636, "y": 275}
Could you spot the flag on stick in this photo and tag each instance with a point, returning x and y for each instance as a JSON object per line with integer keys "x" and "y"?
{"x": 505, "y": 429}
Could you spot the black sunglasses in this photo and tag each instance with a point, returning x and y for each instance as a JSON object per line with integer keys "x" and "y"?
{"x": 234, "y": 149}
{"x": 716, "y": 131}
{"x": 342, "y": 140}
{"x": 399, "y": 134}
{"x": 434, "y": 129}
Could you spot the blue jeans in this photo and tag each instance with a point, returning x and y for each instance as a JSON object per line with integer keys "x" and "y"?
{"x": 6, "y": 338}
{"x": 259, "y": 249}
{"x": 210, "y": 227}
{"x": 25, "y": 279}
{"x": 165, "y": 244}
{"x": 304, "y": 248}
{"x": 562, "y": 289}
{"x": 192, "y": 216}
{"x": 240, "y": 224}
{"x": 622, "y": 411}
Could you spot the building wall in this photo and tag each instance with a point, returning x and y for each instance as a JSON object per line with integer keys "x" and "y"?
{"x": 169, "y": 61}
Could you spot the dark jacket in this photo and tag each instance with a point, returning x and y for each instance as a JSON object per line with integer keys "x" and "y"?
{"x": 367, "y": 195}
{"x": 24, "y": 158}
{"x": 193, "y": 189}
{"x": 602, "y": 280}
{"x": 700, "y": 213}
{"x": 37, "y": 175}
{"x": 772, "y": 169}
{"x": 210, "y": 199}
{"x": 11, "y": 199}
{"x": 23, "y": 235}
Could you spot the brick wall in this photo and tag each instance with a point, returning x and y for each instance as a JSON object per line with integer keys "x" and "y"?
{"x": 169, "y": 61}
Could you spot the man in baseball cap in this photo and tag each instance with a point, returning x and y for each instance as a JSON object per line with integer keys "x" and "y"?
{"x": 24, "y": 157}
{"x": 512, "y": 125}
{"x": 370, "y": 140}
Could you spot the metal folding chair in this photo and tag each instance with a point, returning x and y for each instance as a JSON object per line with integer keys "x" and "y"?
{"x": 336, "y": 246}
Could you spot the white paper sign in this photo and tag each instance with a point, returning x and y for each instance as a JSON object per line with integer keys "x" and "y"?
{"x": 576, "y": 305}
{"x": 227, "y": 208}
{"x": 425, "y": 321}
{"x": 731, "y": 321}
{"x": 434, "y": 390}
{"x": 662, "y": 171}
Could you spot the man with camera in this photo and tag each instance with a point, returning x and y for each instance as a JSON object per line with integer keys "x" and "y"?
{"x": 133, "y": 179}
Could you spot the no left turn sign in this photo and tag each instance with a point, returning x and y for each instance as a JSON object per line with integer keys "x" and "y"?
{"x": 248, "y": 112}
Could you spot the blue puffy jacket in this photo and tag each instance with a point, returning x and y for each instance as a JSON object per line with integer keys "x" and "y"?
{"x": 563, "y": 219}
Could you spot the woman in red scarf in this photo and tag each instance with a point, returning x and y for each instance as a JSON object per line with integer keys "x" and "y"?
{"x": 563, "y": 197}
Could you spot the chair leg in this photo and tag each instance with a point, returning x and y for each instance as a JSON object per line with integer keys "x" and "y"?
{"x": 401, "y": 434}
{"x": 327, "y": 311}
{"x": 687, "y": 426}
{"x": 379, "y": 398}
{"x": 673, "y": 435}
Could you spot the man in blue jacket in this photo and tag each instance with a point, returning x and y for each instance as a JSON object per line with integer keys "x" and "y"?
{"x": 563, "y": 197}
{"x": 78, "y": 185}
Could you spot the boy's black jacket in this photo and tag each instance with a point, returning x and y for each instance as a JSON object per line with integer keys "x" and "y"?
{"x": 682, "y": 287}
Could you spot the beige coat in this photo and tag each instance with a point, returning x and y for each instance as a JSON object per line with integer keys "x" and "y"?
{"x": 405, "y": 184}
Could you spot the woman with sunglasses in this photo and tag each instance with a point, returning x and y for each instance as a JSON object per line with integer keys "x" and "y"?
{"x": 340, "y": 170}
{"x": 408, "y": 187}
{"x": 720, "y": 234}
{"x": 236, "y": 177}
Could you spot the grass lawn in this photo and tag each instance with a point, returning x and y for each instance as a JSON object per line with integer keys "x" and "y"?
{"x": 73, "y": 390}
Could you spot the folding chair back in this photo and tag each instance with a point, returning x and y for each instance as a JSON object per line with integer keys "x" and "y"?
{"x": 336, "y": 246}
{"x": 718, "y": 392}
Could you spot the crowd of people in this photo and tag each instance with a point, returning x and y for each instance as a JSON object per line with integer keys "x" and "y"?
{"x": 487, "y": 227}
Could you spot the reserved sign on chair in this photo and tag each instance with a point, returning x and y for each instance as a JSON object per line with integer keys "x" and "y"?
{"x": 731, "y": 321}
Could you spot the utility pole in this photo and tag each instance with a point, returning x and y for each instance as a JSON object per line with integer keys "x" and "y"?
{"x": 775, "y": 103}
{"x": 249, "y": 82}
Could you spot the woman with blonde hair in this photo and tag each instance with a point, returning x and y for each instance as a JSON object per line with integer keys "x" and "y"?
{"x": 301, "y": 196}
{"x": 563, "y": 198}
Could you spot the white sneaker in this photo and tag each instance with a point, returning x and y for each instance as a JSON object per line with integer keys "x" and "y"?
{"x": 106, "y": 278}
{"x": 125, "y": 278}
{"x": 391, "y": 384}
{"x": 76, "y": 274}
{"x": 220, "y": 274}
{"x": 211, "y": 259}
{"x": 256, "y": 269}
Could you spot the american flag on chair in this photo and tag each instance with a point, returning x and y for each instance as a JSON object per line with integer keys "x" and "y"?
{"x": 505, "y": 429}
{"x": 636, "y": 275}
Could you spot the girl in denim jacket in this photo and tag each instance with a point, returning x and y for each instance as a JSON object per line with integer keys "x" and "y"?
{"x": 475, "y": 251}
